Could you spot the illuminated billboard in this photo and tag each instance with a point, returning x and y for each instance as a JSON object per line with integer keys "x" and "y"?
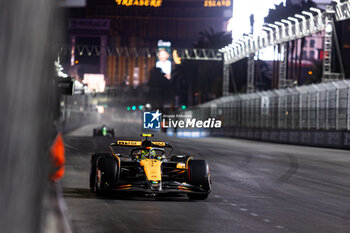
{"x": 163, "y": 58}
{"x": 217, "y": 3}
{"x": 149, "y": 3}
{"x": 95, "y": 82}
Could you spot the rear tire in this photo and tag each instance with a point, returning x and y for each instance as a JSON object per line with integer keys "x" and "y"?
{"x": 112, "y": 133}
{"x": 199, "y": 176}
{"x": 93, "y": 164}
{"x": 107, "y": 175}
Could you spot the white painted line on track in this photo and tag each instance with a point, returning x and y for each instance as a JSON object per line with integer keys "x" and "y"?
{"x": 251, "y": 213}
{"x": 255, "y": 215}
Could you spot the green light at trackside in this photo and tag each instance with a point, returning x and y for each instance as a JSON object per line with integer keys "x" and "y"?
{"x": 140, "y": 107}
{"x": 134, "y": 108}
{"x": 183, "y": 107}
{"x": 128, "y": 108}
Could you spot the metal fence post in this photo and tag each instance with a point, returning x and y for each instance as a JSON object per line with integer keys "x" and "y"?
{"x": 336, "y": 106}
{"x": 327, "y": 107}
{"x": 226, "y": 78}
{"x": 348, "y": 106}
{"x": 317, "y": 108}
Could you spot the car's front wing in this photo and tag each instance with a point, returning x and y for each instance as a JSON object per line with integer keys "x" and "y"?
{"x": 162, "y": 187}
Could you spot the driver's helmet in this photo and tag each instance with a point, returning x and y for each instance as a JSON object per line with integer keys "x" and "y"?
{"x": 104, "y": 130}
{"x": 143, "y": 154}
{"x": 152, "y": 154}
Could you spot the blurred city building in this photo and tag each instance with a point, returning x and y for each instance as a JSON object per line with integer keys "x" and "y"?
{"x": 178, "y": 21}
{"x": 137, "y": 24}
{"x": 344, "y": 40}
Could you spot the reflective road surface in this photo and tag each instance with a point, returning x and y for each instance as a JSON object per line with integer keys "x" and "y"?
{"x": 257, "y": 187}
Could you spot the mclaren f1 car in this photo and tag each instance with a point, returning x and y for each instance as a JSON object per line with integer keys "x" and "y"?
{"x": 103, "y": 131}
{"x": 147, "y": 166}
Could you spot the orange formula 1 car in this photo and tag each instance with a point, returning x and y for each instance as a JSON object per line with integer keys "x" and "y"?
{"x": 148, "y": 166}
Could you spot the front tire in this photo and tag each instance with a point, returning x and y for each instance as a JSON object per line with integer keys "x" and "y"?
{"x": 93, "y": 167}
{"x": 93, "y": 162}
{"x": 107, "y": 175}
{"x": 199, "y": 176}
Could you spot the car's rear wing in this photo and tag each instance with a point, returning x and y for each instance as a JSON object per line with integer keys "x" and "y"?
{"x": 128, "y": 143}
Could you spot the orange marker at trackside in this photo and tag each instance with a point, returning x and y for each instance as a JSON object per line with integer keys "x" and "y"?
{"x": 58, "y": 157}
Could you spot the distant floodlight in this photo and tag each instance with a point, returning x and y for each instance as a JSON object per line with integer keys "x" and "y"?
{"x": 283, "y": 26}
{"x": 241, "y": 42}
{"x": 148, "y": 106}
{"x": 280, "y": 24}
{"x": 329, "y": 28}
{"x": 302, "y": 17}
{"x": 267, "y": 29}
{"x": 293, "y": 19}
{"x": 243, "y": 39}
{"x": 308, "y": 14}
{"x": 287, "y": 22}
{"x": 273, "y": 26}
{"x": 318, "y": 11}
{"x": 251, "y": 36}
{"x": 277, "y": 30}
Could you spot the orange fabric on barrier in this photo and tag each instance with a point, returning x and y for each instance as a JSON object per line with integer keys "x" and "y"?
{"x": 58, "y": 157}
{"x": 58, "y": 174}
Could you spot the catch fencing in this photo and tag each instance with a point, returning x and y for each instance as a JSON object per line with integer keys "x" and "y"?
{"x": 284, "y": 114}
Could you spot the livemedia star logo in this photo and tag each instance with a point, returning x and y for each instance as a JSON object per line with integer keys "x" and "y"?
{"x": 151, "y": 120}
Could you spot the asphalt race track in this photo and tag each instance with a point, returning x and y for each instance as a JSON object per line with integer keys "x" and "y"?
{"x": 257, "y": 187}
